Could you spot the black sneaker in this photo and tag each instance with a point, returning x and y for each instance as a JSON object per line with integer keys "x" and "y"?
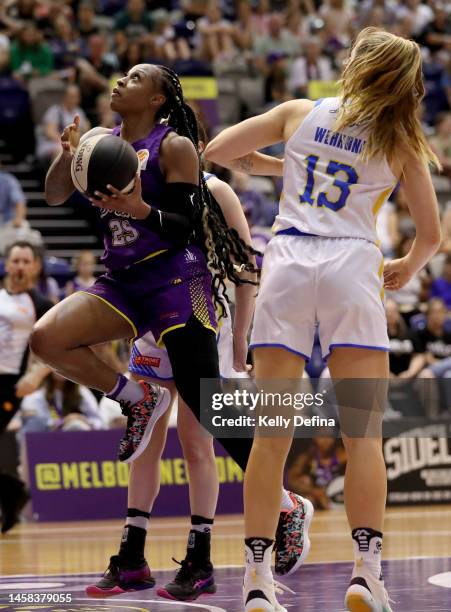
{"x": 141, "y": 420}
{"x": 13, "y": 497}
{"x": 120, "y": 579}
{"x": 190, "y": 582}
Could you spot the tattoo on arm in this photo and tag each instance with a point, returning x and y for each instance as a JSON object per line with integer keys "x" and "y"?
{"x": 245, "y": 164}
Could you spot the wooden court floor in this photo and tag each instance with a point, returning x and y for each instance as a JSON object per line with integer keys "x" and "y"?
{"x": 84, "y": 547}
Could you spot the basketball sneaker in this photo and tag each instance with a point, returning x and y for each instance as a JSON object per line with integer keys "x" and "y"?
{"x": 259, "y": 593}
{"x": 141, "y": 419}
{"x": 119, "y": 579}
{"x": 189, "y": 582}
{"x": 365, "y": 593}
{"x": 292, "y": 543}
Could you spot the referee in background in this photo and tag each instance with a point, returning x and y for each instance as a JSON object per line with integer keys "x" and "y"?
{"x": 20, "y": 307}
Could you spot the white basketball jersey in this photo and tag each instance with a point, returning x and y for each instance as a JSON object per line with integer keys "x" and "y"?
{"x": 327, "y": 189}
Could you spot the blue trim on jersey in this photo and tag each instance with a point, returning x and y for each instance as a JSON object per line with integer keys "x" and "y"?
{"x": 363, "y": 346}
{"x": 208, "y": 175}
{"x": 287, "y": 348}
{"x": 292, "y": 231}
{"x": 318, "y": 102}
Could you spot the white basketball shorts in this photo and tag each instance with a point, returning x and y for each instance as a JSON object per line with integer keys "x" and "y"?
{"x": 148, "y": 359}
{"x": 335, "y": 283}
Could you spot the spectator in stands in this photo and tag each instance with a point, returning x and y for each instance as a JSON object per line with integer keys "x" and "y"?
{"x": 313, "y": 65}
{"x": 420, "y": 12}
{"x": 441, "y": 142}
{"x": 55, "y": 120}
{"x": 311, "y": 472}
{"x": 369, "y": 14}
{"x": 95, "y": 72}
{"x": 260, "y": 211}
{"x": 435, "y": 347}
{"x": 243, "y": 28}
{"x": 84, "y": 265}
{"x": 406, "y": 360}
{"x": 14, "y": 14}
{"x": 436, "y": 36}
{"x": 30, "y": 55}
{"x": 66, "y": 46}
{"x": 278, "y": 40}
{"x": 131, "y": 55}
{"x": 86, "y": 24}
{"x": 46, "y": 285}
{"x": 261, "y": 16}
{"x": 134, "y": 20}
{"x": 441, "y": 287}
{"x": 171, "y": 46}
{"x": 105, "y": 117}
{"x": 338, "y": 19}
{"x": 13, "y": 207}
{"x": 60, "y": 404}
{"x": 216, "y": 34}
{"x": 20, "y": 308}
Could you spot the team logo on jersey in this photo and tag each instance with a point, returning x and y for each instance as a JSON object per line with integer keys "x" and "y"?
{"x": 144, "y": 360}
{"x": 143, "y": 156}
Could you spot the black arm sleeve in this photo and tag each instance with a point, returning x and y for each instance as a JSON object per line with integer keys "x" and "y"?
{"x": 177, "y": 220}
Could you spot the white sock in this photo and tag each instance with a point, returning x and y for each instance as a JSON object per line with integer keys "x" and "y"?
{"x": 127, "y": 390}
{"x": 258, "y": 555}
{"x": 286, "y": 503}
{"x": 138, "y": 521}
{"x": 368, "y": 548}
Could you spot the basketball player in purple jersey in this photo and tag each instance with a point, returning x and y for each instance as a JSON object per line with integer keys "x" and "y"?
{"x": 164, "y": 243}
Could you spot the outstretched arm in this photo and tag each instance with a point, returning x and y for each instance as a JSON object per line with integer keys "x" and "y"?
{"x": 237, "y": 147}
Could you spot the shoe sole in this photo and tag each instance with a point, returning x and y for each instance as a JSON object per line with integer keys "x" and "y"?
{"x": 309, "y": 512}
{"x": 95, "y": 591}
{"x": 161, "y": 406}
{"x": 211, "y": 590}
{"x": 357, "y": 603}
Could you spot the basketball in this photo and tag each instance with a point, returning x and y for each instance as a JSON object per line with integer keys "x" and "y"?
{"x": 103, "y": 160}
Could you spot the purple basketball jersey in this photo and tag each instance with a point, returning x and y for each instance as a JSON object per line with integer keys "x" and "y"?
{"x": 128, "y": 240}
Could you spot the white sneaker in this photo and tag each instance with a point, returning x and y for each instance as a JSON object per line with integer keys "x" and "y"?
{"x": 259, "y": 593}
{"x": 365, "y": 593}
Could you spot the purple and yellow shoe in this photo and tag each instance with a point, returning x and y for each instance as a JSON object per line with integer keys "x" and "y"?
{"x": 141, "y": 419}
{"x": 190, "y": 582}
{"x": 119, "y": 579}
{"x": 292, "y": 540}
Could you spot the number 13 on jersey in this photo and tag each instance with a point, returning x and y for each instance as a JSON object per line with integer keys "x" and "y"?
{"x": 345, "y": 177}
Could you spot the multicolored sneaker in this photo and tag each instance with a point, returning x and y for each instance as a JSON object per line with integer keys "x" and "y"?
{"x": 189, "y": 582}
{"x": 141, "y": 420}
{"x": 292, "y": 540}
{"x": 119, "y": 579}
{"x": 365, "y": 593}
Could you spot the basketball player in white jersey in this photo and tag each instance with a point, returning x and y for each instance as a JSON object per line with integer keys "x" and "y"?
{"x": 343, "y": 158}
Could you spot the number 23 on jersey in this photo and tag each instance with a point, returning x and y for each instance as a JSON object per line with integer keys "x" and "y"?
{"x": 345, "y": 177}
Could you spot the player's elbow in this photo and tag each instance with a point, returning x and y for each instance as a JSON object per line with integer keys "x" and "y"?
{"x": 213, "y": 152}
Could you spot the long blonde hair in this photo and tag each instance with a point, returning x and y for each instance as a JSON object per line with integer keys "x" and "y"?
{"x": 381, "y": 90}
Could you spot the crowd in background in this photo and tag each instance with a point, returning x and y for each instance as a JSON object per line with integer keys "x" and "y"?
{"x": 59, "y": 58}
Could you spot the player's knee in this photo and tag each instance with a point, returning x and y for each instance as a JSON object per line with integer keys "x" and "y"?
{"x": 197, "y": 449}
{"x": 43, "y": 343}
{"x": 276, "y": 447}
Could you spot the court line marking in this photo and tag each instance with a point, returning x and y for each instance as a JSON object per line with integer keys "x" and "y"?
{"x": 231, "y": 566}
{"x": 226, "y": 536}
{"x": 219, "y": 522}
{"x": 441, "y": 580}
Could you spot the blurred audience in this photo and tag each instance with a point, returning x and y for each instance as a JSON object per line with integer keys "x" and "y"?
{"x": 84, "y": 265}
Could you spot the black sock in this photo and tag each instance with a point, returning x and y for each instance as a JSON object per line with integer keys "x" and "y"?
{"x": 131, "y": 551}
{"x": 199, "y": 540}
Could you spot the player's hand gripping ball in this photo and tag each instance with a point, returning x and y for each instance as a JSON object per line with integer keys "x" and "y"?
{"x": 101, "y": 160}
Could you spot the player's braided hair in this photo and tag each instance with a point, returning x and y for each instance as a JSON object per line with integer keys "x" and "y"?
{"x": 227, "y": 254}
